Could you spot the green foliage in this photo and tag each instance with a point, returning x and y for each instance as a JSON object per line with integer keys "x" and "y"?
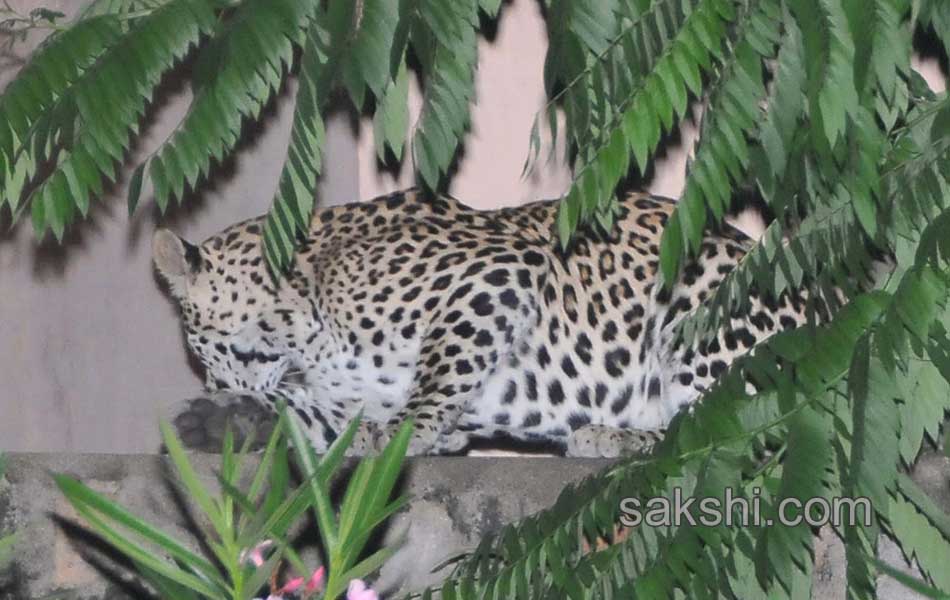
{"x": 830, "y": 412}
{"x": 936, "y": 15}
{"x": 365, "y": 503}
{"x": 242, "y": 520}
{"x": 723, "y": 155}
{"x": 27, "y": 102}
{"x": 260, "y": 35}
{"x": 444, "y": 38}
{"x": 88, "y": 130}
{"x": 74, "y": 112}
{"x": 293, "y": 204}
{"x": 673, "y": 44}
{"x": 813, "y": 104}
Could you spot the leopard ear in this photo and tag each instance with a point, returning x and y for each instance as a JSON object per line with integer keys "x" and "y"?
{"x": 175, "y": 260}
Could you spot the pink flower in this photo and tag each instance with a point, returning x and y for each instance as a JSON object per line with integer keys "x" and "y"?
{"x": 255, "y": 555}
{"x": 291, "y": 586}
{"x": 359, "y": 591}
{"x": 316, "y": 581}
{"x": 313, "y": 584}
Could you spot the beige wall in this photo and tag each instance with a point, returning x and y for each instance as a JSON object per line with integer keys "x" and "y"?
{"x": 90, "y": 349}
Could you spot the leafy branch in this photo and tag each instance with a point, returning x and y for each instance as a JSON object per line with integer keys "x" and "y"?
{"x": 812, "y": 104}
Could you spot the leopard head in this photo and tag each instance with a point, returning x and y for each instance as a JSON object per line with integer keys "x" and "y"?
{"x": 234, "y": 317}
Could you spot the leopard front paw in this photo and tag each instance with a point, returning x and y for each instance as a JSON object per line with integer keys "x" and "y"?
{"x": 422, "y": 441}
{"x": 201, "y": 423}
{"x": 452, "y": 442}
{"x": 601, "y": 441}
{"x": 593, "y": 442}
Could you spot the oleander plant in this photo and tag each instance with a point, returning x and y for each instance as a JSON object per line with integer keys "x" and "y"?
{"x": 812, "y": 105}
{"x": 247, "y": 531}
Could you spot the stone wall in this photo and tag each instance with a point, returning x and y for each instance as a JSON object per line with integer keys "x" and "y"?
{"x": 454, "y": 502}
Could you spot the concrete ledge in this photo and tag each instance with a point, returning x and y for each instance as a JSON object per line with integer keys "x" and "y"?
{"x": 456, "y": 501}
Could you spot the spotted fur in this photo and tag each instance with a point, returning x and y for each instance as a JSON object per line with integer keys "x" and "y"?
{"x": 471, "y": 322}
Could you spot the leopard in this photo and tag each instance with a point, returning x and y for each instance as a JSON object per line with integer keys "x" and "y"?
{"x": 473, "y": 324}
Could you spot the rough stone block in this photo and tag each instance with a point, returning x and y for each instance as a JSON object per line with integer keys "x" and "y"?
{"x": 455, "y": 501}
